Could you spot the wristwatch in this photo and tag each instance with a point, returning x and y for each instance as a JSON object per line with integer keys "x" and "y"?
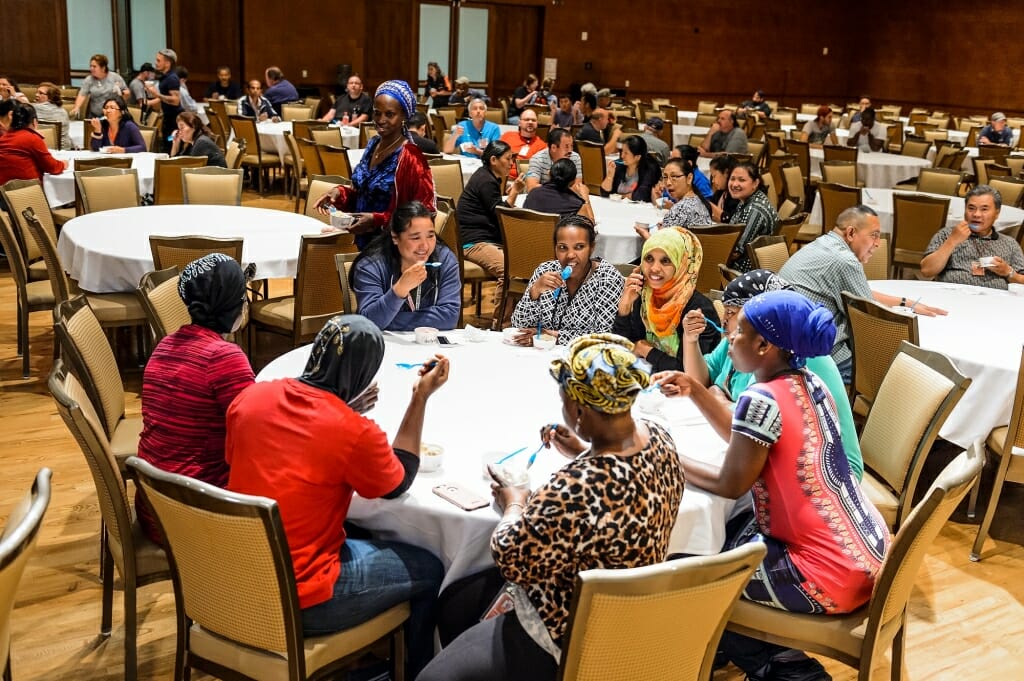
{"x": 903, "y": 301}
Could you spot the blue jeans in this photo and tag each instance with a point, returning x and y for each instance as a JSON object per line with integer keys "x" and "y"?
{"x": 846, "y": 370}
{"x": 375, "y": 576}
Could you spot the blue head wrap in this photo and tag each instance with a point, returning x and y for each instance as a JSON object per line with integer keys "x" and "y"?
{"x": 793, "y": 323}
{"x": 401, "y": 91}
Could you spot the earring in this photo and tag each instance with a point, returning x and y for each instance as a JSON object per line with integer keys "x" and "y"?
{"x": 405, "y": 128}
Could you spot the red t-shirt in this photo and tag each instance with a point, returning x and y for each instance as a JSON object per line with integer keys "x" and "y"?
{"x": 522, "y": 148}
{"x": 308, "y": 450}
{"x": 24, "y": 156}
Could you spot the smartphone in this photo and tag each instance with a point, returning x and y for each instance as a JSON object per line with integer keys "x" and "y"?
{"x": 443, "y": 340}
{"x": 464, "y": 498}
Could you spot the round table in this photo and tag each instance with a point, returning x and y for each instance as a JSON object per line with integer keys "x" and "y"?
{"x": 515, "y": 397}
{"x": 983, "y": 335}
{"x": 109, "y": 251}
{"x": 77, "y": 133}
{"x": 877, "y": 169}
{"x": 60, "y": 189}
{"x": 470, "y": 164}
{"x": 272, "y": 136}
{"x": 881, "y": 201}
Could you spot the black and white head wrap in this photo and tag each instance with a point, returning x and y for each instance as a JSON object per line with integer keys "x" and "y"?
{"x": 752, "y": 283}
{"x": 213, "y": 289}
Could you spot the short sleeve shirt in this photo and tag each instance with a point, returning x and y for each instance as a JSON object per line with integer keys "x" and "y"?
{"x": 958, "y": 267}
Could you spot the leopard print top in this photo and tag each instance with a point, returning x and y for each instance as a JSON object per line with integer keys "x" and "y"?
{"x": 598, "y": 511}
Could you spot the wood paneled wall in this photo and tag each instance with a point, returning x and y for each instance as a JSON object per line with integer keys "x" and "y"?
{"x": 926, "y": 52}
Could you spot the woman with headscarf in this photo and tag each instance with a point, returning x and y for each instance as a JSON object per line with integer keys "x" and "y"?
{"x": 621, "y": 518}
{"x": 406, "y": 277}
{"x": 305, "y": 443}
{"x": 657, "y": 295}
{"x": 191, "y": 378}
{"x": 826, "y": 542}
{"x": 392, "y": 171}
{"x": 716, "y": 371}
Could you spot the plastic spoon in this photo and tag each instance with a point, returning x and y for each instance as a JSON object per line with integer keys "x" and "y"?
{"x": 566, "y": 273}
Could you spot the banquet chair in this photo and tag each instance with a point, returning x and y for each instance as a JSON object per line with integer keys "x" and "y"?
{"x": 254, "y": 157}
{"x": 756, "y": 150}
{"x": 789, "y": 227}
{"x": 717, "y": 242}
{"x": 914, "y": 399}
{"x": 839, "y": 152}
{"x": 705, "y": 120}
{"x": 1010, "y": 188}
{"x": 787, "y": 208}
{"x": 998, "y": 170}
{"x": 316, "y": 298}
{"x": 212, "y": 186}
{"x": 448, "y": 180}
{"x": 954, "y": 160}
{"x": 877, "y": 268}
{"x": 17, "y": 544}
{"x": 33, "y": 296}
{"x": 527, "y": 236}
{"x": 469, "y": 272}
{"x": 938, "y": 181}
{"x": 89, "y": 356}
{"x": 861, "y": 638}
{"x": 973, "y": 130}
{"x": 936, "y": 135}
{"x": 840, "y": 172}
{"x": 334, "y": 160}
{"x": 331, "y": 136}
{"x": 320, "y": 184}
{"x": 150, "y": 134}
{"x": 725, "y": 274}
{"x": 768, "y": 252}
{"x": 304, "y": 129}
{"x": 769, "y": 188}
{"x": 1016, "y": 164}
{"x": 108, "y": 188}
{"x": 167, "y": 178}
{"x": 234, "y": 588}
{"x": 343, "y": 263}
{"x": 166, "y": 311}
{"x": 297, "y": 167}
{"x": 981, "y": 166}
{"x": 915, "y": 220}
{"x": 592, "y": 160}
{"x": 179, "y": 251}
{"x": 50, "y": 133}
{"x": 123, "y": 544}
{"x": 876, "y": 332}
{"x": 916, "y": 147}
{"x": 62, "y": 215}
{"x": 835, "y": 198}
{"x": 696, "y": 141}
{"x": 217, "y": 108}
{"x": 646, "y": 602}
{"x": 794, "y": 185}
{"x": 294, "y": 111}
{"x": 367, "y": 131}
{"x": 311, "y": 163}
{"x": 1004, "y": 442}
{"x": 993, "y": 151}
{"x": 785, "y": 116}
{"x": 111, "y": 309}
{"x": 19, "y": 195}
{"x": 706, "y": 107}
{"x": 802, "y": 151}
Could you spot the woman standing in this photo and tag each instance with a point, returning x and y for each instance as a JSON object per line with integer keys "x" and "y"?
{"x": 754, "y": 210}
{"x": 191, "y": 378}
{"x": 826, "y": 542}
{"x": 99, "y": 86}
{"x": 391, "y": 172}
{"x": 659, "y": 293}
{"x": 478, "y": 221}
{"x": 621, "y": 518}
{"x": 438, "y": 87}
{"x": 404, "y": 278}
{"x": 116, "y": 131}
{"x": 194, "y": 139}
{"x": 583, "y": 303}
{"x": 634, "y": 174}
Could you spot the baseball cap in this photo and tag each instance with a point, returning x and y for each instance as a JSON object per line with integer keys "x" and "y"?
{"x": 655, "y": 122}
{"x": 604, "y": 92}
{"x": 169, "y": 53}
{"x": 998, "y": 116}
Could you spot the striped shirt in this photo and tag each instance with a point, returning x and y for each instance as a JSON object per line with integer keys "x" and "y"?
{"x": 760, "y": 218}
{"x": 540, "y": 165}
{"x": 822, "y": 270}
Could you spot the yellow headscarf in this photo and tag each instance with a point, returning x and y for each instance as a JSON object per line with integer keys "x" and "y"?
{"x": 662, "y": 309}
{"x": 601, "y": 371}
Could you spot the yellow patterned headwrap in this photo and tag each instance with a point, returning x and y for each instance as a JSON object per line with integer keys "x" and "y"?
{"x": 601, "y": 371}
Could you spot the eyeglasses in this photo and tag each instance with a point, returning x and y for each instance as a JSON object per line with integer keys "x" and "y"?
{"x": 112, "y": 107}
{"x": 672, "y": 178}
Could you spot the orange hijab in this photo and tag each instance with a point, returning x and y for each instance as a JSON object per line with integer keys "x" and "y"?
{"x": 662, "y": 309}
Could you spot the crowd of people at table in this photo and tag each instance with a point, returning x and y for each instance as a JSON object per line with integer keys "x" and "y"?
{"x": 769, "y": 374}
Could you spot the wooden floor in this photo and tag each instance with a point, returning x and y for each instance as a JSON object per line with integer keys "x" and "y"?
{"x": 966, "y": 621}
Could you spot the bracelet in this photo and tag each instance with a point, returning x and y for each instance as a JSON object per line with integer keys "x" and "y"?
{"x": 903, "y": 301}
{"x": 96, "y": 135}
{"x": 515, "y": 503}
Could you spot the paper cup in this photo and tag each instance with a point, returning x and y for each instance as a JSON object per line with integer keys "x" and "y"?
{"x": 425, "y": 335}
{"x": 431, "y": 457}
{"x": 544, "y": 342}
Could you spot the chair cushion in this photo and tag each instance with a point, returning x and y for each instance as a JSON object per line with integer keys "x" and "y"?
{"x": 321, "y": 651}
{"x": 115, "y": 308}
{"x": 997, "y": 439}
{"x": 125, "y": 440}
{"x": 470, "y": 270}
{"x": 837, "y": 632}
{"x": 63, "y": 215}
{"x": 266, "y": 158}
{"x": 879, "y": 494}
{"x": 276, "y": 312}
{"x": 39, "y": 293}
{"x": 37, "y": 271}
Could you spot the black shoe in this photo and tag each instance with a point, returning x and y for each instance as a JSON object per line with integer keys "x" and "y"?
{"x": 799, "y": 670}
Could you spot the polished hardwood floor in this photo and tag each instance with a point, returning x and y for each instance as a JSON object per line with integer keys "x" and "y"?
{"x": 966, "y": 619}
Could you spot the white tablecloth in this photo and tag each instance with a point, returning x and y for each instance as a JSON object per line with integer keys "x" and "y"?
{"x": 77, "y": 132}
{"x": 681, "y": 133}
{"x": 877, "y": 169}
{"x": 109, "y": 251}
{"x": 686, "y": 117}
{"x": 272, "y": 136}
{"x": 469, "y": 164}
{"x": 881, "y": 201}
{"x": 60, "y": 189}
{"x": 982, "y": 335}
{"x": 516, "y": 397}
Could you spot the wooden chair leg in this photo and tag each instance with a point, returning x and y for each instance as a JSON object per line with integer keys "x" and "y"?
{"x": 398, "y": 654}
{"x": 993, "y": 503}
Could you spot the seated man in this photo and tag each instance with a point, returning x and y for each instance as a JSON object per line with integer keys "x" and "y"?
{"x": 654, "y": 143}
{"x": 996, "y": 132}
{"x": 187, "y": 102}
{"x": 471, "y": 138}
{"x": 524, "y": 142}
{"x": 417, "y": 125}
{"x": 973, "y": 252}
{"x": 755, "y": 106}
{"x": 594, "y": 131}
{"x": 724, "y": 137}
{"x": 464, "y": 94}
{"x": 562, "y": 116}
{"x": 279, "y": 89}
{"x": 864, "y": 103}
{"x": 352, "y": 108}
{"x": 559, "y": 147}
{"x": 254, "y": 104}
{"x": 584, "y": 108}
{"x": 224, "y": 87}
{"x": 604, "y": 98}
{"x": 831, "y": 264}
{"x": 866, "y": 134}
